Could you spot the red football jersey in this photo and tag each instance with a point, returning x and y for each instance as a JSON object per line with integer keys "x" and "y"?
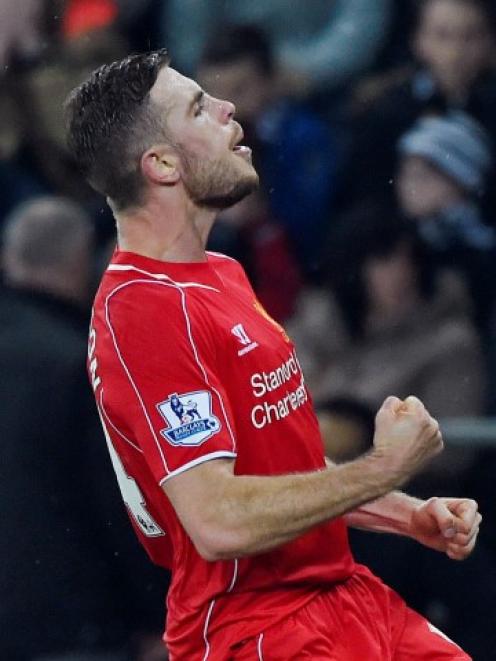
{"x": 187, "y": 367}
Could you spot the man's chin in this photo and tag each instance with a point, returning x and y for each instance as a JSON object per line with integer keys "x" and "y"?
{"x": 242, "y": 189}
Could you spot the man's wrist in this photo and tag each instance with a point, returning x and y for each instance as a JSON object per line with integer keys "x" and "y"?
{"x": 389, "y": 477}
{"x": 404, "y": 506}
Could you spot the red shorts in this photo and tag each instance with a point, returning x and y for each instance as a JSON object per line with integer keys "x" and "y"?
{"x": 360, "y": 620}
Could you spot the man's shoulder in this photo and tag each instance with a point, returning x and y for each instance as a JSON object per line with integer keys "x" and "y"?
{"x": 130, "y": 283}
{"x": 133, "y": 292}
{"x": 136, "y": 298}
{"x": 133, "y": 302}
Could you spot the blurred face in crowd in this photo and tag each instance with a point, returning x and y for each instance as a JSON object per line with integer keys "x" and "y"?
{"x": 422, "y": 189}
{"x": 455, "y": 42}
{"x": 391, "y": 281}
{"x": 215, "y": 170}
{"x": 48, "y": 245}
{"x": 242, "y": 81}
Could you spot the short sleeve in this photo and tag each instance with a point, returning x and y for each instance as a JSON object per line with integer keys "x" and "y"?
{"x": 179, "y": 411}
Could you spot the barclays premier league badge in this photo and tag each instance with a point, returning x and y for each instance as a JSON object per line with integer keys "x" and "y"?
{"x": 189, "y": 418}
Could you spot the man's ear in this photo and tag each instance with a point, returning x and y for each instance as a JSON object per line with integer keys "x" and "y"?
{"x": 160, "y": 165}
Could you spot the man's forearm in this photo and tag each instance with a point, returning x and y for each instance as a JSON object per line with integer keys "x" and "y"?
{"x": 390, "y": 513}
{"x": 251, "y": 514}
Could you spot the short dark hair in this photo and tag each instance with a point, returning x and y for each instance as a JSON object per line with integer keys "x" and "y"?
{"x": 110, "y": 123}
{"x": 232, "y": 43}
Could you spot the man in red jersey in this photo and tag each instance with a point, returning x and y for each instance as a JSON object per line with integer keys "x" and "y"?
{"x": 208, "y": 421}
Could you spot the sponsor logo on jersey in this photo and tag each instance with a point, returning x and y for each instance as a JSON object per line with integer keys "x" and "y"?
{"x": 189, "y": 418}
{"x": 247, "y": 344}
{"x": 279, "y": 380}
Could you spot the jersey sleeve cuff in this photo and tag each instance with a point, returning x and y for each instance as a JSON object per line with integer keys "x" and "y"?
{"x": 220, "y": 454}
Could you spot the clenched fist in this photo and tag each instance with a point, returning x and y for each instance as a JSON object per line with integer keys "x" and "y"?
{"x": 406, "y": 437}
{"x": 450, "y": 525}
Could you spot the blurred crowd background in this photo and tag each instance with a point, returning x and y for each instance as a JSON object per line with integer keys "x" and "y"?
{"x": 372, "y": 238}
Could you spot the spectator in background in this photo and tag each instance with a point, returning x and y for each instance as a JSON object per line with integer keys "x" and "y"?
{"x": 444, "y": 163}
{"x": 21, "y": 42}
{"x": 62, "y": 577}
{"x": 47, "y": 254}
{"x": 20, "y": 30}
{"x": 453, "y": 46}
{"x": 318, "y": 46}
{"x": 390, "y": 323}
{"x": 295, "y": 152}
{"x": 53, "y": 590}
{"x": 37, "y": 95}
{"x": 17, "y": 182}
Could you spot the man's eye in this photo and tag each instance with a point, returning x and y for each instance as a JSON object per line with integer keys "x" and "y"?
{"x": 199, "y": 109}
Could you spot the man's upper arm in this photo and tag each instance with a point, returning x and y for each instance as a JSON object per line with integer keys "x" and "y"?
{"x": 179, "y": 413}
{"x": 195, "y": 495}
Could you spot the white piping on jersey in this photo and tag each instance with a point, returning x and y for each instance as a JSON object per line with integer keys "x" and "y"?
{"x": 133, "y": 385}
{"x": 220, "y": 254}
{"x": 114, "y": 427}
{"x": 205, "y": 629}
{"x": 438, "y": 632}
{"x": 235, "y": 576}
{"x": 199, "y": 460}
{"x": 259, "y": 647}
{"x": 211, "y": 608}
{"x": 160, "y": 276}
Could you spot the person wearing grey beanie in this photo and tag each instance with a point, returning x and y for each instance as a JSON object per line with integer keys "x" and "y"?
{"x": 455, "y": 144}
{"x": 443, "y": 166}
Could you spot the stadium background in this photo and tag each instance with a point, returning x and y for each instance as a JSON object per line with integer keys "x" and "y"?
{"x": 372, "y": 238}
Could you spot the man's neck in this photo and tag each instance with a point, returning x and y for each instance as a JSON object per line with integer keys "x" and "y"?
{"x": 167, "y": 231}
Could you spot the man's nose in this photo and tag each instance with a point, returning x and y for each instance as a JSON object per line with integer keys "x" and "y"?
{"x": 226, "y": 111}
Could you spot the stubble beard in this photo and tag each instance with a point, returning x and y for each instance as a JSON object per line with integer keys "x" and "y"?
{"x": 217, "y": 184}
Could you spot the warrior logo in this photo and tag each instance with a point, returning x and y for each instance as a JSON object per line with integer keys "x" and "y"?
{"x": 246, "y": 343}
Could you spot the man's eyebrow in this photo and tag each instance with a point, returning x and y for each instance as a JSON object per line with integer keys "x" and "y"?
{"x": 196, "y": 99}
